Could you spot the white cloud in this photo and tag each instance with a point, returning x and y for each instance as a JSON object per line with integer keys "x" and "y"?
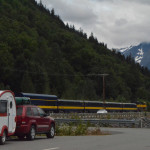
{"x": 118, "y": 23}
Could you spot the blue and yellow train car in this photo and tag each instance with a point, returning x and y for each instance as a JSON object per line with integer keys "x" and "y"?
{"x": 94, "y": 106}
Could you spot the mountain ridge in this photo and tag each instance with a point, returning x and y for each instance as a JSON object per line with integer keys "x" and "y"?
{"x": 140, "y": 53}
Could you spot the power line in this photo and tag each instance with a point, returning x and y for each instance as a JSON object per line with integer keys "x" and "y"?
{"x": 42, "y": 73}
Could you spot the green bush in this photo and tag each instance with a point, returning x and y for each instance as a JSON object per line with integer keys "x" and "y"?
{"x": 71, "y": 130}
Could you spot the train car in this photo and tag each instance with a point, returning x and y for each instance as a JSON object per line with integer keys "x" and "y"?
{"x": 95, "y": 106}
{"x": 141, "y": 106}
{"x": 120, "y": 107}
{"x": 47, "y": 102}
{"x": 68, "y": 106}
{"x": 129, "y": 107}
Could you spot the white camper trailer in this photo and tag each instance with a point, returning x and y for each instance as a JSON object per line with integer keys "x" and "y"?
{"x": 7, "y": 115}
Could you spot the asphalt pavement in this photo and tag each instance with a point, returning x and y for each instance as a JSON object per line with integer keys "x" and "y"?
{"x": 116, "y": 139}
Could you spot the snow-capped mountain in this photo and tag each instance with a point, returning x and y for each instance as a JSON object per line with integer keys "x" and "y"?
{"x": 141, "y": 53}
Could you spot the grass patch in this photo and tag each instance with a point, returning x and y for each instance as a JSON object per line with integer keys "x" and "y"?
{"x": 77, "y": 130}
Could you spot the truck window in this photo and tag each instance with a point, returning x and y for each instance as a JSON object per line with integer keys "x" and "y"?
{"x": 41, "y": 112}
{"x": 28, "y": 111}
{"x": 19, "y": 111}
{"x": 35, "y": 111}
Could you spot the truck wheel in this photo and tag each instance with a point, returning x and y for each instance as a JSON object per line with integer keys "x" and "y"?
{"x": 3, "y": 138}
{"x": 31, "y": 134}
{"x": 51, "y": 132}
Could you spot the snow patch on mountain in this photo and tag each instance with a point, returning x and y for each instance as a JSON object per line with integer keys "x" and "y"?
{"x": 140, "y": 53}
{"x": 139, "y": 56}
{"x": 122, "y": 50}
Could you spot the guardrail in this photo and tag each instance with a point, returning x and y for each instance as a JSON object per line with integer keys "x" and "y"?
{"x": 103, "y": 122}
{"x": 137, "y": 119}
{"x": 127, "y": 115}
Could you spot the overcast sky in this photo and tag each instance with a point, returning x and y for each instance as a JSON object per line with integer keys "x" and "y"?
{"x": 117, "y": 23}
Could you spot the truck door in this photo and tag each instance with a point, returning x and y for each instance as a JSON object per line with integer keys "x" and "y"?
{"x": 43, "y": 121}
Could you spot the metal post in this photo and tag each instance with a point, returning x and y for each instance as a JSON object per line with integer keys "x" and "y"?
{"x": 104, "y": 89}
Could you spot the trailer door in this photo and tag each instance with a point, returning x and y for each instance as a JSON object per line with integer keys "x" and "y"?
{"x": 3, "y": 114}
{"x": 10, "y": 117}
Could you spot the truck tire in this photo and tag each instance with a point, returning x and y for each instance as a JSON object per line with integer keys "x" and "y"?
{"x": 3, "y": 138}
{"x": 32, "y": 133}
{"x": 51, "y": 132}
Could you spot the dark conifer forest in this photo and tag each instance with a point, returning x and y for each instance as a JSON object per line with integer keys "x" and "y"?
{"x": 41, "y": 54}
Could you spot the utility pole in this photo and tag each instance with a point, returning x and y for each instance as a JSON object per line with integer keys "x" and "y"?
{"x": 104, "y": 75}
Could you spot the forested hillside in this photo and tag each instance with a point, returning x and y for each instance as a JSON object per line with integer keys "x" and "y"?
{"x": 40, "y": 54}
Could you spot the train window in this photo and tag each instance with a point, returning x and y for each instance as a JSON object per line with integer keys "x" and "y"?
{"x": 51, "y": 103}
{"x": 125, "y": 106}
{"x": 70, "y": 103}
{"x": 95, "y": 104}
{"x": 108, "y": 105}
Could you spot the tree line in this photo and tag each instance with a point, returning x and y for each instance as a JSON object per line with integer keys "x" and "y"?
{"x": 41, "y": 54}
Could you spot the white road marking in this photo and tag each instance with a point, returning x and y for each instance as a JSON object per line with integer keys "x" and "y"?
{"x": 52, "y": 148}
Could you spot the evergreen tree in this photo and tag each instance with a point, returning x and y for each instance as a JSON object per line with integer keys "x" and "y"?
{"x": 39, "y": 53}
{"x": 27, "y": 84}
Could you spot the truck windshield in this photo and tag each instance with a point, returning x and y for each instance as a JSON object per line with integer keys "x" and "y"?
{"x": 3, "y": 107}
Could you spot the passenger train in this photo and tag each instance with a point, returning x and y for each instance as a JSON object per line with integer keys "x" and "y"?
{"x": 51, "y": 103}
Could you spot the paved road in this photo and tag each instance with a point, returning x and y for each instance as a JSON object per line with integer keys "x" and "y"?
{"x": 120, "y": 139}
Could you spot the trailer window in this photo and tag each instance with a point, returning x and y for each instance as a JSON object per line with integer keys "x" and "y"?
{"x": 10, "y": 105}
{"x": 3, "y": 106}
